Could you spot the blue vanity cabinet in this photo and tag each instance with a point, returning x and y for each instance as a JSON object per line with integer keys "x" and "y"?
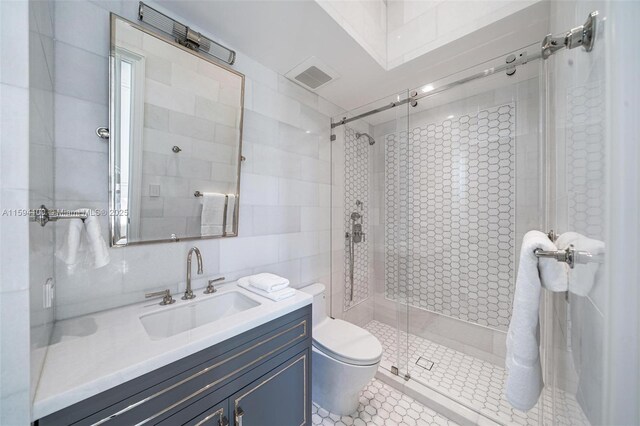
{"x": 259, "y": 378}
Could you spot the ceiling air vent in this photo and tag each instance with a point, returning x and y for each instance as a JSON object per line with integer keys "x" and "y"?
{"x": 312, "y": 74}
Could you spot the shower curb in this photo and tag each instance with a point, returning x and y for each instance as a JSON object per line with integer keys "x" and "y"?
{"x": 434, "y": 400}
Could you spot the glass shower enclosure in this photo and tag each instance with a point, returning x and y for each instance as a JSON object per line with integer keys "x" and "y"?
{"x": 433, "y": 190}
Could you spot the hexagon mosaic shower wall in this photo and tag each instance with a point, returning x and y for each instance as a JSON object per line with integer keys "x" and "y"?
{"x": 450, "y": 216}
{"x": 356, "y": 188}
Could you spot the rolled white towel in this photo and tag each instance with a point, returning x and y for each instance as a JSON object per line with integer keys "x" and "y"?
{"x": 274, "y": 295}
{"x": 231, "y": 213}
{"x": 266, "y": 281}
{"x": 97, "y": 245}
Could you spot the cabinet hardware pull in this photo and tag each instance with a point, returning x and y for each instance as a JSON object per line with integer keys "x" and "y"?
{"x": 224, "y": 421}
{"x": 239, "y": 414}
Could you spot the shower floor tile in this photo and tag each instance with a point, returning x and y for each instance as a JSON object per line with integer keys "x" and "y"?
{"x": 476, "y": 383}
{"x": 382, "y": 405}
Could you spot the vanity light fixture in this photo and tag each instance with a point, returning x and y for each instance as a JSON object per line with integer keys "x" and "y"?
{"x": 184, "y": 35}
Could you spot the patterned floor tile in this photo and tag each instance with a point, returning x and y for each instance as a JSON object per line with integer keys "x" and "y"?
{"x": 382, "y": 405}
{"x": 473, "y": 382}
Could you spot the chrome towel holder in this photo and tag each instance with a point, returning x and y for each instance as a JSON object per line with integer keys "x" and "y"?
{"x": 570, "y": 255}
{"x": 43, "y": 215}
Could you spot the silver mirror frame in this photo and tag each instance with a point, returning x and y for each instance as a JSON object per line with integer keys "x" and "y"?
{"x": 116, "y": 239}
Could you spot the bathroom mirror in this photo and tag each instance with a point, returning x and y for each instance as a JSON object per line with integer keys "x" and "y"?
{"x": 175, "y": 140}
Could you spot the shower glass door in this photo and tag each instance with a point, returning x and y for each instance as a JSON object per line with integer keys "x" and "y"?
{"x": 475, "y": 184}
{"x": 364, "y": 212}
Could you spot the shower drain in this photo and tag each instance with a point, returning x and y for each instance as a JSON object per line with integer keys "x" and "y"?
{"x": 424, "y": 363}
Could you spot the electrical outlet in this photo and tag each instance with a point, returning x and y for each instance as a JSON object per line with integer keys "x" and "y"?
{"x": 154, "y": 190}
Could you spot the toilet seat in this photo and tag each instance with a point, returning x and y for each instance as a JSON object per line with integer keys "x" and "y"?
{"x": 346, "y": 342}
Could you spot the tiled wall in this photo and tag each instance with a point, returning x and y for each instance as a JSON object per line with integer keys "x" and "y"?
{"x": 15, "y": 99}
{"x": 356, "y": 189}
{"x": 417, "y": 27}
{"x": 351, "y": 163}
{"x": 191, "y": 104}
{"x": 454, "y": 326}
{"x": 41, "y": 135}
{"x": 285, "y": 183}
{"x": 460, "y": 236}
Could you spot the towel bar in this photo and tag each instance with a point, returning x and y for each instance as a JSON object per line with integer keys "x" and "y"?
{"x": 43, "y": 215}
{"x": 570, "y": 256}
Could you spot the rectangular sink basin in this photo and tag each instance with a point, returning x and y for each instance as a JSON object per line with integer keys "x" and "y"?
{"x": 177, "y": 319}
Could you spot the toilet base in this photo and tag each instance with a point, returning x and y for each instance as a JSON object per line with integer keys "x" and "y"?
{"x": 336, "y": 386}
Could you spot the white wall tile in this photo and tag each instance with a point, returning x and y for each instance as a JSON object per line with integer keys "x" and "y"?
{"x": 259, "y": 190}
{"x": 14, "y": 132}
{"x": 76, "y": 123}
{"x": 88, "y": 21}
{"x": 81, "y": 74}
{"x": 14, "y": 43}
{"x": 251, "y": 252}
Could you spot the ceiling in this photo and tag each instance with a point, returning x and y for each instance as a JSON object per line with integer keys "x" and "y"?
{"x": 282, "y": 34}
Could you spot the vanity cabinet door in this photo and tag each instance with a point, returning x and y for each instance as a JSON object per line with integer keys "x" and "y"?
{"x": 279, "y": 398}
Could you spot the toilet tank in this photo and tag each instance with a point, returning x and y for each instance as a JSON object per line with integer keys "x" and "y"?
{"x": 319, "y": 307}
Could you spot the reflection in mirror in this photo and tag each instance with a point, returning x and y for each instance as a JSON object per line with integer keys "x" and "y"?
{"x": 176, "y": 129}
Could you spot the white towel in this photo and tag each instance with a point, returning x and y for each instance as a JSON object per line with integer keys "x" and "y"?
{"x": 274, "y": 295}
{"x": 84, "y": 245}
{"x": 583, "y": 276}
{"x": 212, "y": 214}
{"x": 524, "y": 380}
{"x": 231, "y": 210}
{"x": 266, "y": 282}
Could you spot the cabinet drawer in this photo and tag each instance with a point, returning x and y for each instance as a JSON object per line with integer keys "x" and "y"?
{"x": 279, "y": 398}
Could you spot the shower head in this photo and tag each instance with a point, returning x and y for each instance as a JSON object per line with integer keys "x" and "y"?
{"x": 371, "y": 140}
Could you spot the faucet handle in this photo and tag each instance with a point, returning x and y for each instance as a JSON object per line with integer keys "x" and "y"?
{"x": 166, "y": 296}
{"x": 210, "y": 288}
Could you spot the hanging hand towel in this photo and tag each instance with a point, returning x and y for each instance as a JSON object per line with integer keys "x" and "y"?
{"x": 524, "y": 374}
{"x": 231, "y": 210}
{"x": 274, "y": 295}
{"x": 84, "y": 244}
{"x": 97, "y": 245}
{"x": 212, "y": 214}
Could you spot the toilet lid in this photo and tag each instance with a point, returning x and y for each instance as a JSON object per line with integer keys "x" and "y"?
{"x": 346, "y": 342}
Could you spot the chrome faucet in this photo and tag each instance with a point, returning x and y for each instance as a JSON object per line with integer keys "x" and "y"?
{"x": 188, "y": 293}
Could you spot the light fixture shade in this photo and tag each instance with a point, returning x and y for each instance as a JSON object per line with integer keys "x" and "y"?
{"x": 185, "y": 35}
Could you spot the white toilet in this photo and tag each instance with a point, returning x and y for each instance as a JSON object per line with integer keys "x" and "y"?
{"x": 345, "y": 358}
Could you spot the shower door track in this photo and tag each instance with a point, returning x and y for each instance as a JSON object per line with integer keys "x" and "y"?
{"x": 583, "y": 35}
{"x": 415, "y": 96}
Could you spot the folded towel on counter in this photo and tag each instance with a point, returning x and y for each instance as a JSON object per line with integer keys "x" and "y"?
{"x": 84, "y": 245}
{"x": 266, "y": 282}
{"x": 524, "y": 373}
{"x": 583, "y": 276}
{"x": 274, "y": 295}
{"x": 212, "y": 215}
{"x": 231, "y": 210}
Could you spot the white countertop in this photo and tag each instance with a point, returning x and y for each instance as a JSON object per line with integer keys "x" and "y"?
{"x": 93, "y": 353}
